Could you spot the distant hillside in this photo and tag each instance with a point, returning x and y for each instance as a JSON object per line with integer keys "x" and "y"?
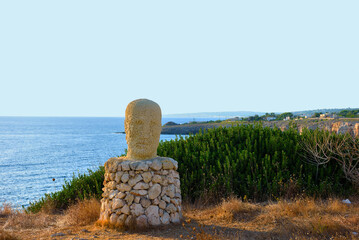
{"x": 219, "y": 115}
{"x": 324, "y": 110}
{"x": 244, "y": 114}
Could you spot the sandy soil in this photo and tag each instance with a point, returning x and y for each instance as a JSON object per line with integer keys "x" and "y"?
{"x": 92, "y": 231}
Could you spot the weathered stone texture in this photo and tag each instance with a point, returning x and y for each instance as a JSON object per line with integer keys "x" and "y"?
{"x": 145, "y": 192}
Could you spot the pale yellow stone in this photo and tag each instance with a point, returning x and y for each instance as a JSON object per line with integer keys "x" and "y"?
{"x": 147, "y": 176}
{"x": 143, "y": 129}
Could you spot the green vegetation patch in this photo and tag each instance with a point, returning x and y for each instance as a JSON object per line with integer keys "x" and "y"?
{"x": 349, "y": 113}
{"x": 249, "y": 161}
{"x": 253, "y": 162}
{"x": 83, "y": 186}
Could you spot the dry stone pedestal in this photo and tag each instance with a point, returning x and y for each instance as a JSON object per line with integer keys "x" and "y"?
{"x": 144, "y": 193}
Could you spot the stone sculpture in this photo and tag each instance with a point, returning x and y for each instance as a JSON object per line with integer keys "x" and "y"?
{"x": 143, "y": 129}
{"x": 141, "y": 189}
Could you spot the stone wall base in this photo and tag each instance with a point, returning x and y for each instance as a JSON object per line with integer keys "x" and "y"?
{"x": 142, "y": 193}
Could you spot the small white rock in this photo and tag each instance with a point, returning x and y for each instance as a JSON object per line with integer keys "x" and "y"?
{"x": 171, "y": 208}
{"x": 124, "y": 187}
{"x": 171, "y": 191}
{"x": 135, "y": 180}
{"x": 125, "y": 209}
{"x": 166, "y": 199}
{"x": 142, "y": 166}
{"x": 165, "y": 219}
{"x": 117, "y": 203}
{"x": 164, "y": 172}
{"x": 145, "y": 202}
{"x": 154, "y": 191}
{"x": 147, "y": 176}
{"x": 121, "y": 195}
{"x": 125, "y": 166}
{"x": 155, "y": 201}
{"x": 125, "y": 177}
{"x": 156, "y": 165}
{"x": 118, "y": 177}
{"x": 141, "y": 185}
{"x": 133, "y": 165}
{"x": 153, "y": 215}
{"x": 162, "y": 204}
{"x": 175, "y": 217}
{"x": 129, "y": 198}
{"x": 137, "y": 209}
{"x": 167, "y": 164}
{"x": 112, "y": 194}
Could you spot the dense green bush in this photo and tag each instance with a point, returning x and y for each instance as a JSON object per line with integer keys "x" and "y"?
{"x": 349, "y": 113}
{"x": 252, "y": 161}
{"x": 249, "y": 161}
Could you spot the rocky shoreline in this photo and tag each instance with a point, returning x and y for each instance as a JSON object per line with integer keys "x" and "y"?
{"x": 343, "y": 125}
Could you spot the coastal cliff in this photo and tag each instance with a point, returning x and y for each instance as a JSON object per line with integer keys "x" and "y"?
{"x": 340, "y": 126}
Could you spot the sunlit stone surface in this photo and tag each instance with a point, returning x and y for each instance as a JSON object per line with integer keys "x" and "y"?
{"x": 141, "y": 189}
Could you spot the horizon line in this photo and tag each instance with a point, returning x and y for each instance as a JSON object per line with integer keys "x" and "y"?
{"x": 169, "y": 114}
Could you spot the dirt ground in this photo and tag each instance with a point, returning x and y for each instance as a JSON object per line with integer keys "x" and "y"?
{"x": 92, "y": 231}
{"x": 232, "y": 219}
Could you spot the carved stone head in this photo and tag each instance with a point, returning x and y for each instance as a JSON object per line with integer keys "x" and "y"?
{"x": 143, "y": 129}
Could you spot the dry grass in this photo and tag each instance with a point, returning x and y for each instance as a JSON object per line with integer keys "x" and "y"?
{"x": 5, "y": 210}
{"x": 303, "y": 218}
{"x": 82, "y": 213}
{"x": 22, "y": 220}
{"x": 285, "y": 219}
{"x": 7, "y": 236}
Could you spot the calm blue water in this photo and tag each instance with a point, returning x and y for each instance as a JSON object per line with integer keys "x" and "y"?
{"x": 33, "y": 150}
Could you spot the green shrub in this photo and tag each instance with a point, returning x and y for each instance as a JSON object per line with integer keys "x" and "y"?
{"x": 252, "y": 161}
{"x": 83, "y": 186}
{"x": 249, "y": 161}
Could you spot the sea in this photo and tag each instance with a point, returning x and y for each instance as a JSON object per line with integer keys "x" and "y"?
{"x": 37, "y": 154}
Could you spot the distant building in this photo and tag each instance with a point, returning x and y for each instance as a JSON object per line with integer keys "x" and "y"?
{"x": 287, "y": 118}
{"x": 271, "y": 118}
{"x": 326, "y": 115}
{"x": 323, "y": 115}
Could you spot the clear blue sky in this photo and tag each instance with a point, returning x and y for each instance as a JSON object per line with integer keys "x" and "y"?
{"x": 91, "y": 58}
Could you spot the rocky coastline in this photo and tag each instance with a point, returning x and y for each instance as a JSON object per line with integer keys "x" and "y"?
{"x": 333, "y": 125}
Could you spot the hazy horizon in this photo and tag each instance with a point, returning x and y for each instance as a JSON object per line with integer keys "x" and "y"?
{"x": 183, "y": 115}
